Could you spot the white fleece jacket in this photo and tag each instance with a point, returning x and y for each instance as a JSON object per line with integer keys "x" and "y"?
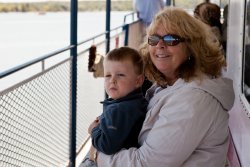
{"x": 186, "y": 126}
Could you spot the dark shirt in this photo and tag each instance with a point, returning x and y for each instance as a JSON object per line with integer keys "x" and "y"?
{"x": 121, "y": 122}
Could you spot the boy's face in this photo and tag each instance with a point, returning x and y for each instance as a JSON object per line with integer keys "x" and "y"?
{"x": 120, "y": 78}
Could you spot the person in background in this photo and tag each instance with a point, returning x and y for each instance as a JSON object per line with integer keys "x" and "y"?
{"x": 209, "y": 13}
{"x": 186, "y": 124}
{"x": 95, "y": 63}
{"x": 125, "y": 109}
{"x": 146, "y": 9}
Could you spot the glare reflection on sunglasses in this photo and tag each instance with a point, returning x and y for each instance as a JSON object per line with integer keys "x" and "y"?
{"x": 169, "y": 39}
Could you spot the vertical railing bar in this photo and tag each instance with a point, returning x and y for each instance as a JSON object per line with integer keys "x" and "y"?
{"x": 124, "y": 19}
{"x": 126, "y": 29}
{"x": 108, "y": 9}
{"x": 73, "y": 54}
{"x": 43, "y": 65}
{"x": 168, "y": 2}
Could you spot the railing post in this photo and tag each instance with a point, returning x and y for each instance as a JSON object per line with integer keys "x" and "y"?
{"x": 168, "y": 2}
{"x": 108, "y": 9}
{"x": 73, "y": 54}
{"x": 126, "y": 29}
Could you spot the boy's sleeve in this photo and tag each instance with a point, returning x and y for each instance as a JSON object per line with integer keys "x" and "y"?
{"x": 114, "y": 128}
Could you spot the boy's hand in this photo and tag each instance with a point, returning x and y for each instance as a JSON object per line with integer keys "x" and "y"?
{"x": 93, "y": 124}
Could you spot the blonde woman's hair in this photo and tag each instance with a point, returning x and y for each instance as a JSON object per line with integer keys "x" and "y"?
{"x": 205, "y": 53}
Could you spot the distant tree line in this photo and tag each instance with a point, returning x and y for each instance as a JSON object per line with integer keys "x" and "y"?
{"x": 65, "y": 6}
{"x": 91, "y": 5}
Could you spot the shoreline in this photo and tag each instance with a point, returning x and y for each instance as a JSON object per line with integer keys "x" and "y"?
{"x": 58, "y": 6}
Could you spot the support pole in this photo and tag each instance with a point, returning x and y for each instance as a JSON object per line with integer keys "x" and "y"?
{"x": 108, "y": 9}
{"x": 73, "y": 54}
{"x": 168, "y": 2}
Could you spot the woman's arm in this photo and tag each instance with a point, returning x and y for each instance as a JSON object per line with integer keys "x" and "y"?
{"x": 178, "y": 128}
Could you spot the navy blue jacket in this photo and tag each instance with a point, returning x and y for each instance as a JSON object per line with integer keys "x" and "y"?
{"x": 121, "y": 122}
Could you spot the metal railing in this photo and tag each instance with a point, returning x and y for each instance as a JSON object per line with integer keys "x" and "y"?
{"x": 132, "y": 16}
{"x": 35, "y": 113}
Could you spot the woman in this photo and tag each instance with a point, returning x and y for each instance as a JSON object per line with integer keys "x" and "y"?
{"x": 187, "y": 121}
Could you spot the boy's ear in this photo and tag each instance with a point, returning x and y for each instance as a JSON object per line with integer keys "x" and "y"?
{"x": 140, "y": 80}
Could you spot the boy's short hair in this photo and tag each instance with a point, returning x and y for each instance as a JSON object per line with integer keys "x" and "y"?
{"x": 127, "y": 53}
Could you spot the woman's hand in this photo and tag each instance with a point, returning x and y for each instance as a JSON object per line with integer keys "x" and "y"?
{"x": 92, "y": 153}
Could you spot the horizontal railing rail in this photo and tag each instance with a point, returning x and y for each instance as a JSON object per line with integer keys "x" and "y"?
{"x": 49, "y": 55}
{"x": 133, "y": 16}
{"x": 29, "y": 63}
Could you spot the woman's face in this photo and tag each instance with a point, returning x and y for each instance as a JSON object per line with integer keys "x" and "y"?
{"x": 168, "y": 59}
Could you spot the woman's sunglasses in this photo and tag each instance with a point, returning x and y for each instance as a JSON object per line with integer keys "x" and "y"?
{"x": 169, "y": 39}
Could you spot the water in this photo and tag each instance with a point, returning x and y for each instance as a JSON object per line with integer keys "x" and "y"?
{"x": 25, "y": 36}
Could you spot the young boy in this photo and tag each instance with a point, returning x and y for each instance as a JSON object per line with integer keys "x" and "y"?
{"x": 124, "y": 111}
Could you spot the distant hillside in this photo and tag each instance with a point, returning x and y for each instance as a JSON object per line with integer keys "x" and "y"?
{"x": 65, "y": 6}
